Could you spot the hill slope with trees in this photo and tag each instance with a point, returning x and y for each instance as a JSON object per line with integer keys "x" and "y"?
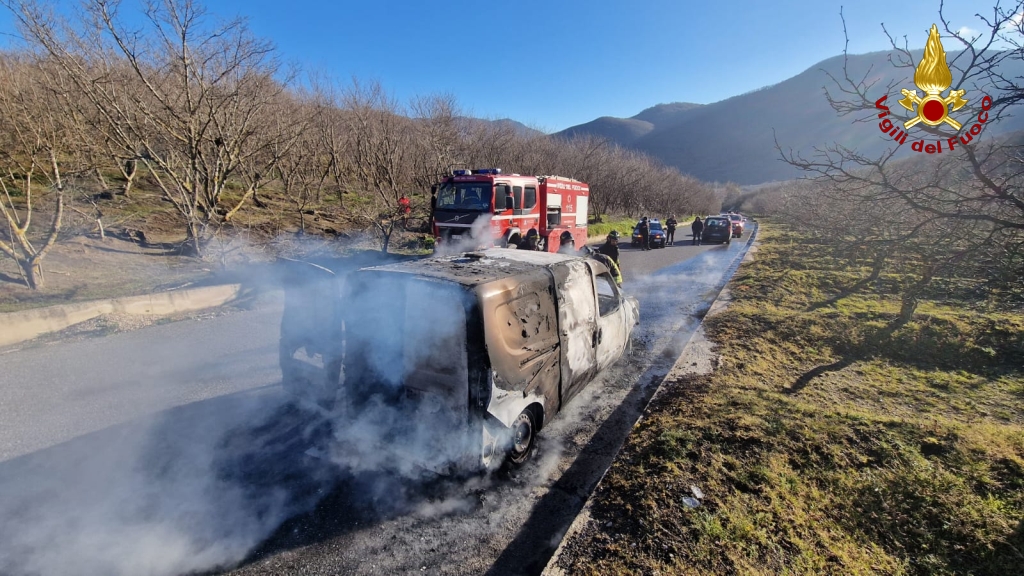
{"x": 734, "y": 139}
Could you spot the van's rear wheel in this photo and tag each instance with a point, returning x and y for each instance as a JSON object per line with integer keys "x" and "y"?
{"x": 524, "y": 436}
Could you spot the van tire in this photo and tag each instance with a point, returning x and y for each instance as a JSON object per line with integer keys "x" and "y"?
{"x": 524, "y": 438}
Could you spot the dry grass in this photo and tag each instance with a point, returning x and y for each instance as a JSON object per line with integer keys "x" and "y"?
{"x": 903, "y": 454}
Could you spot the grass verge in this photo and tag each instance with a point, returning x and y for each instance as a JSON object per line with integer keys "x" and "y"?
{"x": 827, "y": 441}
{"x": 624, "y": 224}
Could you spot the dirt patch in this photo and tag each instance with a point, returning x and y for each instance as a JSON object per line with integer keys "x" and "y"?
{"x": 84, "y": 268}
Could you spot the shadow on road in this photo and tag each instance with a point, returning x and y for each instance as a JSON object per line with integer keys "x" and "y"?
{"x": 187, "y": 489}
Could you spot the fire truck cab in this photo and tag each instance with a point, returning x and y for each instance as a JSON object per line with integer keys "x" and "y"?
{"x": 500, "y": 209}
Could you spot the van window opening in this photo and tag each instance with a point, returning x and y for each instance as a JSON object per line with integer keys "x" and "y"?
{"x": 607, "y": 297}
{"x": 475, "y": 196}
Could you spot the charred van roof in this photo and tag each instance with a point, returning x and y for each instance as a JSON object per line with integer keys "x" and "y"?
{"x": 477, "y": 267}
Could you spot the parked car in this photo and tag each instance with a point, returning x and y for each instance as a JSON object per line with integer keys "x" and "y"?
{"x": 738, "y": 223}
{"x": 460, "y": 359}
{"x": 659, "y": 238}
{"x": 717, "y": 229}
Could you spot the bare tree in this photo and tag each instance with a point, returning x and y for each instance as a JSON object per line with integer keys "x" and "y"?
{"x": 35, "y": 148}
{"x": 306, "y": 168}
{"x": 181, "y": 95}
{"x": 379, "y": 146}
{"x": 438, "y": 136}
{"x": 973, "y": 191}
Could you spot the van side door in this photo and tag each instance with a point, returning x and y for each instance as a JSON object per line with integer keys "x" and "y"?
{"x": 614, "y": 322}
{"x": 577, "y": 323}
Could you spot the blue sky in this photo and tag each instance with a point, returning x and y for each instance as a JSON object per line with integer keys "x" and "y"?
{"x": 556, "y": 63}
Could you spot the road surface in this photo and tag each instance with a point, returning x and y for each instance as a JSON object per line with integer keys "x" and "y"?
{"x": 172, "y": 449}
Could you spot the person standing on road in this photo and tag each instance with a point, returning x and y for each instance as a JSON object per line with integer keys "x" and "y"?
{"x": 698, "y": 228}
{"x": 645, "y": 234}
{"x": 670, "y": 225}
{"x": 610, "y": 248}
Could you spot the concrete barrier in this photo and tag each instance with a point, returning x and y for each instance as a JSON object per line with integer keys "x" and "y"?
{"x": 27, "y": 324}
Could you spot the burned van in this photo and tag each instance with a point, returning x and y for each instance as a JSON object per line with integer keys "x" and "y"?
{"x": 457, "y": 362}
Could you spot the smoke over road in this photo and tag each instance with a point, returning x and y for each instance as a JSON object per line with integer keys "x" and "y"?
{"x": 168, "y": 496}
{"x": 222, "y": 479}
{"x": 511, "y": 524}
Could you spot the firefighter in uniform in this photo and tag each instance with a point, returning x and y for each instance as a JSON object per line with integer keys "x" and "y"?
{"x": 610, "y": 248}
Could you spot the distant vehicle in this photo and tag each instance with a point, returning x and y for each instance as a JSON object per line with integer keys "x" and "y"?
{"x": 738, "y": 223}
{"x": 717, "y": 229}
{"x": 658, "y": 237}
{"x": 502, "y": 208}
{"x": 461, "y": 359}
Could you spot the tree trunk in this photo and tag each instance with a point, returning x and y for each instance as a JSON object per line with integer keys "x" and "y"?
{"x": 909, "y": 300}
{"x": 908, "y": 304}
{"x": 32, "y": 270}
{"x": 248, "y": 194}
{"x": 193, "y": 244}
{"x": 129, "y": 171}
{"x": 256, "y": 198}
{"x": 102, "y": 180}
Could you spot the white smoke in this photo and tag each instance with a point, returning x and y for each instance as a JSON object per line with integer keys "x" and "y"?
{"x": 161, "y": 498}
{"x": 200, "y": 486}
{"x": 478, "y": 236}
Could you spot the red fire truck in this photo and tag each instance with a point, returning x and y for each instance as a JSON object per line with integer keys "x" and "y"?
{"x": 503, "y": 208}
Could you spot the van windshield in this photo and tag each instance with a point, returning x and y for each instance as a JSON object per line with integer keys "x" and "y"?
{"x": 475, "y": 196}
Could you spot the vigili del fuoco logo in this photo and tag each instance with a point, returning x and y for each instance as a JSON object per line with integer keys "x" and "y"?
{"x": 933, "y": 78}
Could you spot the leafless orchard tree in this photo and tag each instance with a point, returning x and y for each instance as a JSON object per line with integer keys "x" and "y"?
{"x": 183, "y": 95}
{"x": 36, "y": 148}
{"x": 491, "y": 145}
{"x": 205, "y": 110}
{"x": 936, "y": 215}
{"x": 438, "y": 134}
{"x": 306, "y": 167}
{"x": 379, "y": 156}
{"x": 281, "y": 127}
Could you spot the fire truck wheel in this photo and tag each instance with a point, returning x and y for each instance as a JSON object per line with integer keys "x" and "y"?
{"x": 523, "y": 438}
{"x": 513, "y": 241}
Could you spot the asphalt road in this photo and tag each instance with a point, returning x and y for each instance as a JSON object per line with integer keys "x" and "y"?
{"x": 172, "y": 449}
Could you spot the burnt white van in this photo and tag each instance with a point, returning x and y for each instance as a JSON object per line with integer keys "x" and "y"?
{"x": 454, "y": 363}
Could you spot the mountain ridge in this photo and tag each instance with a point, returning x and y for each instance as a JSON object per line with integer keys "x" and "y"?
{"x": 734, "y": 139}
